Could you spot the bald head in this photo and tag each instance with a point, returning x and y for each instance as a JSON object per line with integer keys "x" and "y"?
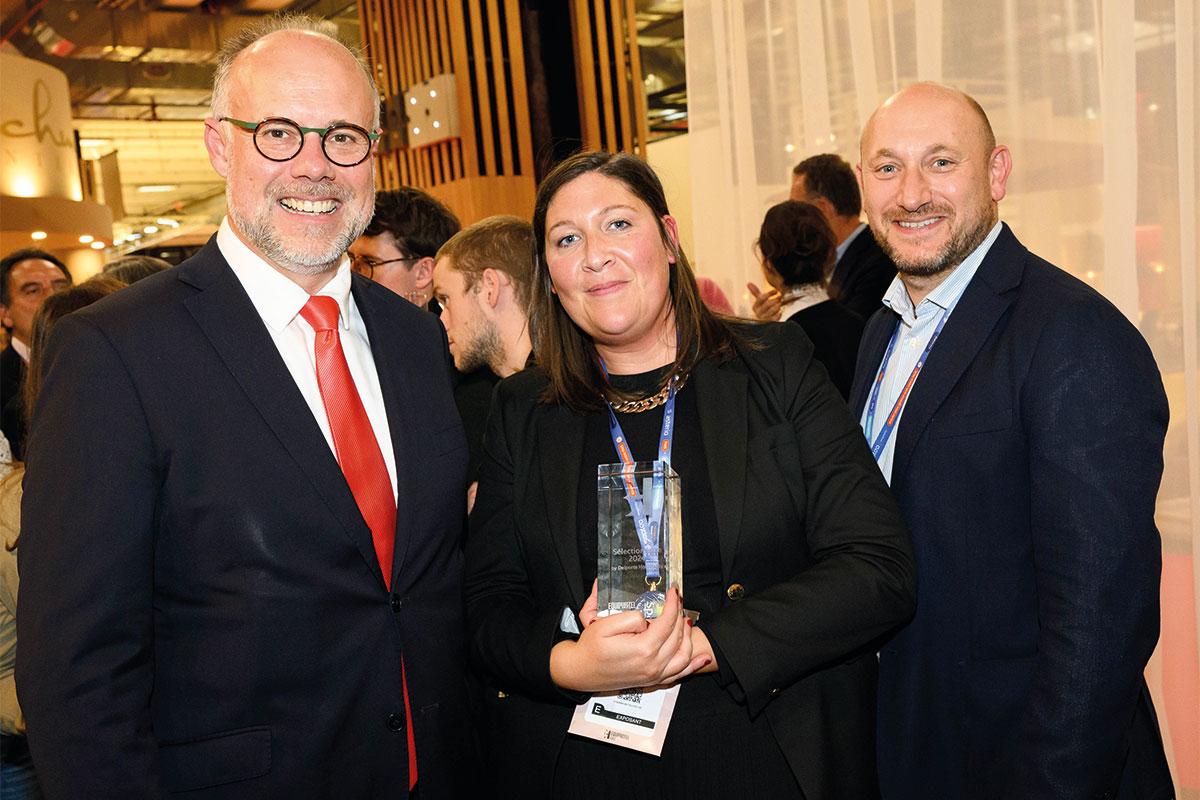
{"x": 294, "y": 30}
{"x": 932, "y": 177}
{"x": 928, "y": 95}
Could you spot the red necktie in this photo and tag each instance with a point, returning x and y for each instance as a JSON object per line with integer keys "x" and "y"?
{"x": 358, "y": 455}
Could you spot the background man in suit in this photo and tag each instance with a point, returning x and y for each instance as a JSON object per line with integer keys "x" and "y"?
{"x": 397, "y": 251}
{"x": 1026, "y": 458}
{"x": 863, "y": 271}
{"x": 240, "y": 570}
{"x": 398, "y": 247}
{"x": 27, "y": 277}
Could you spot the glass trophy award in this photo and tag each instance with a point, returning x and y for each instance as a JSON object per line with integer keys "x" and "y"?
{"x": 640, "y": 547}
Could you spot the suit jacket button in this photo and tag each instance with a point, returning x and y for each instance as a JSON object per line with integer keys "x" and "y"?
{"x": 735, "y": 592}
{"x": 397, "y": 602}
{"x": 395, "y": 722}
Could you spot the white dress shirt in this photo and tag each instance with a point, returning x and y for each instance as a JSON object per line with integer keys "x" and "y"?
{"x": 278, "y": 300}
{"x": 916, "y": 329}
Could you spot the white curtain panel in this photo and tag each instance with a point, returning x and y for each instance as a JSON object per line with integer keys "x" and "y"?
{"x": 1098, "y": 102}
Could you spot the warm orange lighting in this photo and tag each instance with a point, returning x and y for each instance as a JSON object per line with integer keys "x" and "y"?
{"x": 87, "y": 237}
{"x": 97, "y": 245}
{"x": 39, "y": 235}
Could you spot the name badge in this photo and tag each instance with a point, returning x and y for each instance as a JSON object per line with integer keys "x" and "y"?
{"x": 632, "y": 718}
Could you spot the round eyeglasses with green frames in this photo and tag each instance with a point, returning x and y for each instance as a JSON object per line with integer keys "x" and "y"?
{"x": 279, "y": 139}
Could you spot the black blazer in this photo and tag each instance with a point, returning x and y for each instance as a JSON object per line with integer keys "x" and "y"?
{"x": 835, "y": 332}
{"x": 202, "y": 607}
{"x": 12, "y": 412}
{"x": 806, "y": 526}
{"x": 1027, "y": 462}
{"x": 862, "y": 275}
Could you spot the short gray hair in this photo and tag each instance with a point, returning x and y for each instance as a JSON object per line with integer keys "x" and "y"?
{"x": 260, "y": 29}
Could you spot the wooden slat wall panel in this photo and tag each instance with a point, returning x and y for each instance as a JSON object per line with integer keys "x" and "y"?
{"x": 516, "y": 50}
{"x": 600, "y": 18}
{"x": 500, "y": 86}
{"x": 483, "y": 106}
{"x": 585, "y": 75}
{"x": 488, "y": 169}
{"x": 608, "y": 69}
{"x": 621, "y": 67}
{"x": 638, "y": 100}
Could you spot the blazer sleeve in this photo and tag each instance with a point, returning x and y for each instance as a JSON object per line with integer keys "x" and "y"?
{"x": 859, "y": 582}
{"x": 85, "y": 671}
{"x": 1096, "y": 419}
{"x": 511, "y": 633}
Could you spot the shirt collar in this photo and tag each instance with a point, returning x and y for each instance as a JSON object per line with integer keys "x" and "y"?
{"x": 946, "y": 294}
{"x": 798, "y": 298}
{"x": 21, "y": 348}
{"x": 277, "y": 298}
{"x": 845, "y": 245}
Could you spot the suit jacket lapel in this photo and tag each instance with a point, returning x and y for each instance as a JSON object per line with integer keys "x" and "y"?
{"x": 722, "y": 405}
{"x": 980, "y": 308}
{"x": 398, "y": 386}
{"x": 560, "y": 452}
{"x": 225, "y": 315}
{"x": 880, "y": 327}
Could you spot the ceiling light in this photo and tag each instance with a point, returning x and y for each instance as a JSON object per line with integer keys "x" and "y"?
{"x": 38, "y": 235}
{"x": 158, "y": 187}
{"x": 87, "y": 237}
{"x": 97, "y": 245}
{"x": 150, "y": 229}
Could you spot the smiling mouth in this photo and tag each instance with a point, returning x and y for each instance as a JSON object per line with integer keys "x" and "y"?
{"x": 297, "y": 206}
{"x": 912, "y": 226}
{"x": 605, "y": 287}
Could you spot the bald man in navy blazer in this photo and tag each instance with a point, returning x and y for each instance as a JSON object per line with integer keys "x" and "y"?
{"x": 203, "y": 607}
{"x": 1026, "y": 455}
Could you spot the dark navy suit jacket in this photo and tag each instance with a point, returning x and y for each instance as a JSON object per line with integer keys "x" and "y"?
{"x": 1027, "y": 462}
{"x": 862, "y": 275}
{"x": 202, "y": 607}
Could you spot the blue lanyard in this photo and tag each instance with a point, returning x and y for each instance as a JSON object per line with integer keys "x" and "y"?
{"x": 886, "y": 431}
{"x": 647, "y": 525}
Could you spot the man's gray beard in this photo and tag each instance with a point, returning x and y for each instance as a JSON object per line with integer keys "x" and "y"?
{"x": 486, "y": 349}
{"x": 287, "y": 255}
{"x": 961, "y": 245}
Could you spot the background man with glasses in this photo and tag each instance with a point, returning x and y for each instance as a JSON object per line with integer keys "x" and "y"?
{"x": 397, "y": 250}
{"x": 256, "y": 591}
{"x": 399, "y": 244}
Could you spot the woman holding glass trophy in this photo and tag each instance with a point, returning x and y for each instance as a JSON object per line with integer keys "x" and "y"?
{"x": 682, "y": 555}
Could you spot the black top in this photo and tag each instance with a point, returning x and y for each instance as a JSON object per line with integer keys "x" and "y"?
{"x": 835, "y": 332}
{"x": 705, "y": 711}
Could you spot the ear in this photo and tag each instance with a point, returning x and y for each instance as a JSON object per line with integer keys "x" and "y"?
{"x": 490, "y": 283}
{"x": 5, "y": 319}
{"x": 424, "y": 272}
{"x": 1000, "y": 166}
{"x": 672, "y": 234}
{"x": 214, "y": 142}
{"x": 826, "y": 208}
{"x": 858, "y": 174}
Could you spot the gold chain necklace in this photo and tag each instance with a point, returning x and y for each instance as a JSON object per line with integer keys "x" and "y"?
{"x": 647, "y": 403}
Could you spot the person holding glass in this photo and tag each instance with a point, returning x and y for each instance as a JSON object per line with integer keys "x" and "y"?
{"x": 795, "y": 557}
